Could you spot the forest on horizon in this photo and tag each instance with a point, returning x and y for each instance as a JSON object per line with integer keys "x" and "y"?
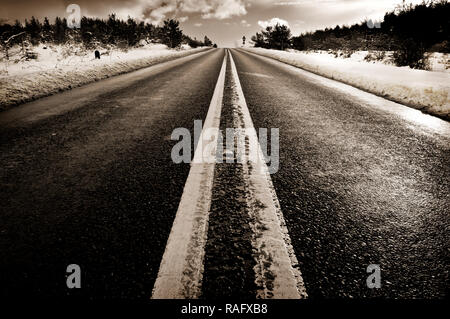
{"x": 96, "y": 32}
{"x": 409, "y": 30}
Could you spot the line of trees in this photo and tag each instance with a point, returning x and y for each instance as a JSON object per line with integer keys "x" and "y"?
{"x": 409, "y": 30}
{"x": 96, "y": 32}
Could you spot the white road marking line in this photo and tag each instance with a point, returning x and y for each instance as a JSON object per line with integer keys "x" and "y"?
{"x": 181, "y": 270}
{"x": 277, "y": 269}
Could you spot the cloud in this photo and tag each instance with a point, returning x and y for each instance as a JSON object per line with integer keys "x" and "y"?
{"x": 288, "y": 3}
{"x": 225, "y": 9}
{"x": 158, "y": 10}
{"x": 272, "y": 22}
{"x": 183, "y": 19}
{"x": 198, "y": 25}
{"x": 245, "y": 23}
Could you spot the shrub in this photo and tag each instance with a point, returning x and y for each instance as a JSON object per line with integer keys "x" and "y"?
{"x": 443, "y": 47}
{"x": 346, "y": 54}
{"x": 411, "y": 54}
{"x": 380, "y": 55}
{"x": 375, "y": 56}
{"x": 298, "y": 43}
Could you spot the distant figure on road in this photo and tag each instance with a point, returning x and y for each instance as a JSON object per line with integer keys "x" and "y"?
{"x": 97, "y": 54}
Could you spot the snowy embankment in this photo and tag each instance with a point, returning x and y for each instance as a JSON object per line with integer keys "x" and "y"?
{"x": 60, "y": 68}
{"x": 425, "y": 90}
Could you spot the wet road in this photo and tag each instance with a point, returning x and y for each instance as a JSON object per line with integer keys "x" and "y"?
{"x": 358, "y": 184}
{"x": 87, "y": 178}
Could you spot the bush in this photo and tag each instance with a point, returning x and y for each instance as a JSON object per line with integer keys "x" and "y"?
{"x": 31, "y": 55}
{"x": 346, "y": 53}
{"x": 411, "y": 54}
{"x": 298, "y": 43}
{"x": 443, "y": 47}
{"x": 375, "y": 56}
{"x": 193, "y": 43}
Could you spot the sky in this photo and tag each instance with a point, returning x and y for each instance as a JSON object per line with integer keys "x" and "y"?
{"x": 223, "y": 21}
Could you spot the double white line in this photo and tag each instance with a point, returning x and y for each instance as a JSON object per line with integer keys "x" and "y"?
{"x": 181, "y": 270}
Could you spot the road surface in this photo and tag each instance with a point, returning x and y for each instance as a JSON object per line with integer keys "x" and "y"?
{"x": 87, "y": 178}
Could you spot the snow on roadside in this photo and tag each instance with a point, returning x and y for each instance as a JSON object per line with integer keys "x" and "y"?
{"x": 55, "y": 70}
{"x": 437, "y": 61}
{"x": 425, "y": 90}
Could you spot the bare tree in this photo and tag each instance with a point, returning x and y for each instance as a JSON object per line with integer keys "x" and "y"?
{"x": 8, "y": 41}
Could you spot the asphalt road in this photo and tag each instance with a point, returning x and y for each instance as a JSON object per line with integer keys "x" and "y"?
{"x": 358, "y": 185}
{"x": 86, "y": 178}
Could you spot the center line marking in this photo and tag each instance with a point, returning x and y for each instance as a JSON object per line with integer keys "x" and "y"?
{"x": 277, "y": 273}
{"x": 181, "y": 270}
{"x": 277, "y": 270}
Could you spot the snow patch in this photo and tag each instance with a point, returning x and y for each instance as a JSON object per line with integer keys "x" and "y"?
{"x": 59, "y": 68}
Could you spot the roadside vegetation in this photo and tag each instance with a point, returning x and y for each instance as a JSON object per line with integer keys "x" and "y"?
{"x": 38, "y": 59}
{"x": 93, "y": 34}
{"x": 409, "y": 32}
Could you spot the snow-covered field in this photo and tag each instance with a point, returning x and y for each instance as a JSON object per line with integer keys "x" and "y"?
{"x": 59, "y": 68}
{"x": 425, "y": 90}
